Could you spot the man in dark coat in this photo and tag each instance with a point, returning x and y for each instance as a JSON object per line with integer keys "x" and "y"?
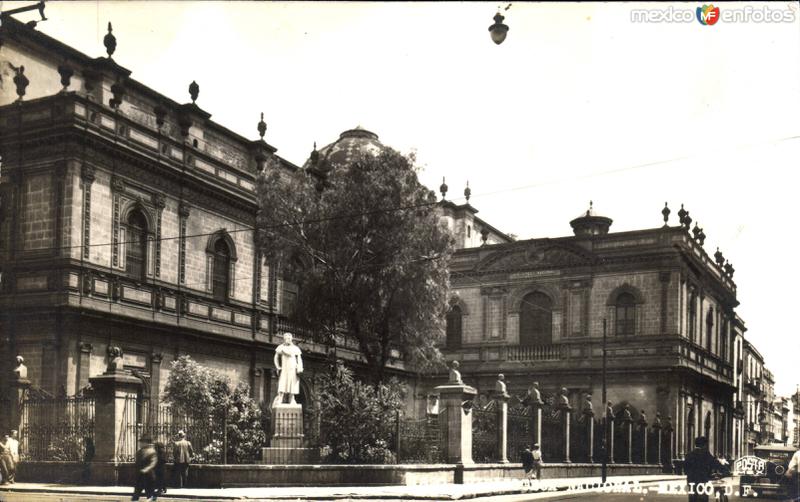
{"x": 527, "y": 465}
{"x": 146, "y": 460}
{"x": 161, "y": 467}
{"x": 699, "y": 465}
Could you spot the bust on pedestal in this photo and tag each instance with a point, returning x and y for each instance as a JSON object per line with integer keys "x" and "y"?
{"x": 286, "y": 446}
{"x": 19, "y": 385}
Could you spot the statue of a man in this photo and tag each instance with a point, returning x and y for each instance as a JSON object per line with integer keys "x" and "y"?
{"x": 610, "y": 411}
{"x": 20, "y": 371}
{"x": 534, "y": 396}
{"x": 289, "y": 363}
{"x": 588, "y": 408}
{"x": 455, "y": 375}
{"x": 115, "y": 361}
{"x": 500, "y": 384}
{"x": 563, "y": 400}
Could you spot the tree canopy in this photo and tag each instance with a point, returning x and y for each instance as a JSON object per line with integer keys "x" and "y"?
{"x": 369, "y": 253}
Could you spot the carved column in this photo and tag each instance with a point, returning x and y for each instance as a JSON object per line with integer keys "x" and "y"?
{"x": 501, "y": 399}
{"x": 159, "y": 203}
{"x": 183, "y": 214}
{"x": 84, "y": 362}
{"x": 87, "y": 179}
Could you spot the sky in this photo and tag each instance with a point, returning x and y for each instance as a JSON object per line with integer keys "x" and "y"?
{"x": 579, "y": 103}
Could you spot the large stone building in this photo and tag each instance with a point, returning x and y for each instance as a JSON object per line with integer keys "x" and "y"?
{"x": 127, "y": 220}
{"x": 535, "y": 310}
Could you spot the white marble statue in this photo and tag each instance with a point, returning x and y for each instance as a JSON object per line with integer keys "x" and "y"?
{"x": 289, "y": 363}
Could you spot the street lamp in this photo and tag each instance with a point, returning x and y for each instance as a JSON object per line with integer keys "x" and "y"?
{"x": 498, "y": 30}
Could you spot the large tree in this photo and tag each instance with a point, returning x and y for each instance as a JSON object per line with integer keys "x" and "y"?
{"x": 366, "y": 246}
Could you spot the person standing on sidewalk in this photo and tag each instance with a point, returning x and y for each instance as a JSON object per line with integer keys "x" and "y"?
{"x": 5, "y": 461}
{"x": 161, "y": 467}
{"x": 527, "y": 465}
{"x": 146, "y": 461}
{"x": 182, "y": 455}
{"x": 12, "y": 445}
{"x": 538, "y": 461}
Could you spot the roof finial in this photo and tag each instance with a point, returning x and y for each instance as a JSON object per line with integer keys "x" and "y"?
{"x": 467, "y": 191}
{"x": 314, "y": 155}
{"x": 665, "y": 212}
{"x": 262, "y": 126}
{"x": 110, "y": 41}
{"x": 443, "y": 188}
{"x": 194, "y": 91}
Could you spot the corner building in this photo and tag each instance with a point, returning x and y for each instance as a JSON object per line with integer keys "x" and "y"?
{"x": 534, "y": 311}
{"x": 127, "y": 219}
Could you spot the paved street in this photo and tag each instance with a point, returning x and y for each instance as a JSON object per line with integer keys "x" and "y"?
{"x": 510, "y": 490}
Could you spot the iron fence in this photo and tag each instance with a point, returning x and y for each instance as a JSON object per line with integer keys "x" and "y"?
{"x": 57, "y": 429}
{"x": 484, "y": 433}
{"x": 419, "y": 441}
{"x": 161, "y": 423}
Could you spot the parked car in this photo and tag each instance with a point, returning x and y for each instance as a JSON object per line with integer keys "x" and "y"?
{"x": 762, "y": 474}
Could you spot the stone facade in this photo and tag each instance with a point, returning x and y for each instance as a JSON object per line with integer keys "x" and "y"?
{"x": 127, "y": 219}
{"x": 535, "y": 310}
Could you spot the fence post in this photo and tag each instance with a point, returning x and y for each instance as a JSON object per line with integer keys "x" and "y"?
{"x": 397, "y": 436}
{"x": 111, "y": 389}
{"x": 225, "y": 437}
{"x": 501, "y": 397}
{"x": 566, "y": 411}
{"x": 588, "y": 415}
{"x": 456, "y": 417}
{"x": 657, "y": 430}
{"x": 668, "y": 429}
{"x": 610, "y": 419}
{"x": 643, "y": 427}
{"x": 19, "y": 387}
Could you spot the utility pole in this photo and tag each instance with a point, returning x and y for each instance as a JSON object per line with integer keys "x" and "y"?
{"x": 604, "y": 469}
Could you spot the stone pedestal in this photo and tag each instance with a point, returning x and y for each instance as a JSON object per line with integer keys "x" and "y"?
{"x": 19, "y": 386}
{"x": 456, "y": 421}
{"x": 287, "y": 445}
{"x": 111, "y": 390}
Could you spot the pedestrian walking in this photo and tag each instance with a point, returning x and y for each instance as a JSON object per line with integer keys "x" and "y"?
{"x": 182, "y": 455}
{"x": 538, "y": 461}
{"x": 527, "y": 465}
{"x": 161, "y": 467}
{"x": 146, "y": 461}
{"x": 699, "y": 466}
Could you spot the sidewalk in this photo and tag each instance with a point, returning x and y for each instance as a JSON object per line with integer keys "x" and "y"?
{"x": 29, "y": 491}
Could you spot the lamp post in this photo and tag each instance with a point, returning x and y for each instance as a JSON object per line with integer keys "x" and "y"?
{"x": 604, "y": 468}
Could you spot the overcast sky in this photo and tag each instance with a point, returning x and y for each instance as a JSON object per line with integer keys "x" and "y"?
{"x": 578, "y": 103}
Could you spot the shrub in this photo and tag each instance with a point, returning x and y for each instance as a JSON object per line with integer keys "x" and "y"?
{"x": 358, "y": 420}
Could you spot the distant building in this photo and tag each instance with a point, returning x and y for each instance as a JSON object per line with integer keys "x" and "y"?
{"x": 534, "y": 311}
{"x": 754, "y": 398}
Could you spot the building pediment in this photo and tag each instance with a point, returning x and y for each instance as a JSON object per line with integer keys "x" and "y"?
{"x": 537, "y": 254}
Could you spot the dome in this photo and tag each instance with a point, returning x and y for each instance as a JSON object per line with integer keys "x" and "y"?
{"x": 343, "y": 151}
{"x": 590, "y": 223}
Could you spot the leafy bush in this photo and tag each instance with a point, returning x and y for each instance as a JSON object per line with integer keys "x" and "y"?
{"x": 357, "y": 420}
{"x": 208, "y": 397}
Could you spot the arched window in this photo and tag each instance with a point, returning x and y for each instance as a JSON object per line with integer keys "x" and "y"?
{"x": 221, "y": 270}
{"x": 710, "y": 330}
{"x": 453, "y": 329}
{"x": 625, "y": 308}
{"x": 536, "y": 320}
{"x": 136, "y": 245}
